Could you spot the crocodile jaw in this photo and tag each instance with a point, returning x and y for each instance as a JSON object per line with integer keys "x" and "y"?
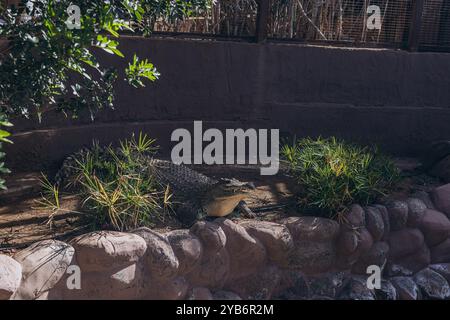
{"x": 223, "y": 206}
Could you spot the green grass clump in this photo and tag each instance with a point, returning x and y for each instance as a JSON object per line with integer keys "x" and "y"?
{"x": 334, "y": 174}
{"x": 117, "y": 190}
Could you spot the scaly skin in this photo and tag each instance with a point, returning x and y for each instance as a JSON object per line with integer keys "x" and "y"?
{"x": 194, "y": 195}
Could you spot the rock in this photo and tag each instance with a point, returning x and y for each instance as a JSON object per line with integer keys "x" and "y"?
{"x": 173, "y": 289}
{"x": 43, "y": 265}
{"x": 313, "y": 257}
{"x": 365, "y": 242}
{"x": 357, "y": 289}
{"x": 210, "y": 234}
{"x": 108, "y": 250}
{"x": 125, "y": 284}
{"x": 442, "y": 169}
{"x": 312, "y": 229}
{"x": 275, "y": 237}
{"x": 415, "y": 261}
{"x": 293, "y": 286}
{"x": 355, "y": 217}
{"x": 386, "y": 221}
{"x": 214, "y": 267}
{"x": 441, "y": 198}
{"x": 441, "y": 252}
{"x": 374, "y": 223}
{"x": 258, "y": 286}
{"x": 405, "y": 242}
{"x": 377, "y": 255}
{"x": 416, "y": 212}
{"x": 328, "y": 285}
{"x": 200, "y": 293}
{"x": 225, "y": 295}
{"x": 386, "y": 292}
{"x": 443, "y": 269}
{"x": 425, "y": 197}
{"x": 398, "y": 214}
{"x": 432, "y": 284}
{"x": 213, "y": 271}
{"x": 247, "y": 254}
{"x": 435, "y": 227}
{"x": 10, "y": 276}
{"x": 160, "y": 258}
{"x": 406, "y": 288}
{"x": 187, "y": 248}
{"x": 347, "y": 242}
{"x": 395, "y": 270}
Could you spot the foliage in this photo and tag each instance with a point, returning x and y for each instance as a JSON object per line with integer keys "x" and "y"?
{"x": 116, "y": 189}
{"x": 334, "y": 174}
{"x": 3, "y": 138}
{"x": 50, "y": 65}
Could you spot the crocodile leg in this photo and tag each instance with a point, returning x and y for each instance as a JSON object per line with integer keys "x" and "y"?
{"x": 243, "y": 207}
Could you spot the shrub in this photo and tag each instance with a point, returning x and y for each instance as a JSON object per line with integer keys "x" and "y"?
{"x": 3, "y": 138}
{"x": 116, "y": 189}
{"x": 334, "y": 174}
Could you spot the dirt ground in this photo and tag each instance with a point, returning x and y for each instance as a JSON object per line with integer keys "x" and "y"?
{"x": 22, "y": 222}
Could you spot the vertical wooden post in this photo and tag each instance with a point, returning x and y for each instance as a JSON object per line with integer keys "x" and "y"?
{"x": 262, "y": 20}
{"x": 416, "y": 25}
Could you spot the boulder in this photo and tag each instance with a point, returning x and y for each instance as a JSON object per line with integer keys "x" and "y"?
{"x": 347, "y": 242}
{"x": 432, "y": 284}
{"x": 312, "y": 229}
{"x": 10, "y": 276}
{"x": 416, "y": 212}
{"x": 214, "y": 267}
{"x": 435, "y": 227}
{"x": 187, "y": 248}
{"x": 199, "y": 293}
{"x": 386, "y": 292}
{"x": 293, "y": 286}
{"x": 406, "y": 288}
{"x": 395, "y": 270}
{"x": 108, "y": 250}
{"x": 377, "y": 255}
{"x": 159, "y": 256}
{"x": 247, "y": 254}
{"x": 275, "y": 237}
{"x": 365, "y": 242}
{"x": 443, "y": 269}
{"x": 313, "y": 257}
{"x": 357, "y": 289}
{"x": 441, "y": 252}
{"x": 416, "y": 261}
{"x": 328, "y": 285}
{"x": 225, "y": 295}
{"x": 210, "y": 234}
{"x": 374, "y": 223}
{"x": 405, "y": 242}
{"x": 213, "y": 270}
{"x": 43, "y": 265}
{"x": 386, "y": 221}
{"x": 398, "y": 214}
{"x": 425, "y": 197}
{"x": 441, "y": 198}
{"x": 258, "y": 286}
{"x": 355, "y": 217}
{"x": 171, "y": 289}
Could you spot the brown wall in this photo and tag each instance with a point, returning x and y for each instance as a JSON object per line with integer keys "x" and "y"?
{"x": 398, "y": 99}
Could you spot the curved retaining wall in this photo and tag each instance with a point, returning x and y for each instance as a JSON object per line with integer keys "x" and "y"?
{"x": 297, "y": 258}
{"x": 395, "y": 98}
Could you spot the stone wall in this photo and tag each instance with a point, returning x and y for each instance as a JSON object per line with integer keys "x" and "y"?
{"x": 296, "y": 258}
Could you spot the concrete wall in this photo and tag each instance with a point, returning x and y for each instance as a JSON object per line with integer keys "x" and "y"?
{"x": 398, "y": 99}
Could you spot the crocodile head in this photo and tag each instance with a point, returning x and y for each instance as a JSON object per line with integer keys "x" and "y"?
{"x": 223, "y": 198}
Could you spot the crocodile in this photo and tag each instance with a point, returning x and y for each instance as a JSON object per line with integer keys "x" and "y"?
{"x": 194, "y": 195}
